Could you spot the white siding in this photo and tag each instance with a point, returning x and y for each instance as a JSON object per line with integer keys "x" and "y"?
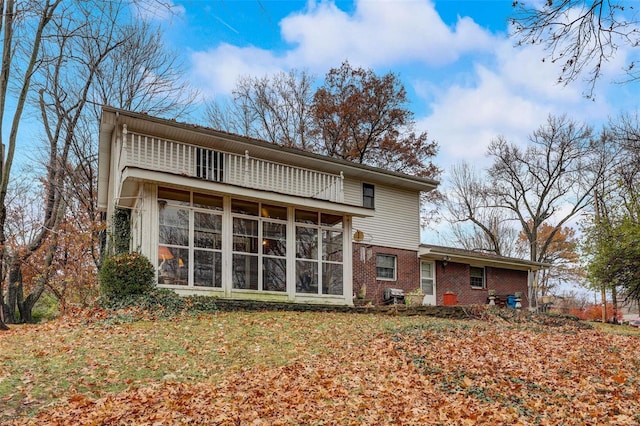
{"x": 396, "y": 222}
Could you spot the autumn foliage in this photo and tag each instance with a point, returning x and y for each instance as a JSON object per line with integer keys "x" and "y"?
{"x": 594, "y": 312}
{"x": 283, "y": 368}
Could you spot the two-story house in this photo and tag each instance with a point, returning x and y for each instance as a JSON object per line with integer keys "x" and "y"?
{"x": 233, "y": 217}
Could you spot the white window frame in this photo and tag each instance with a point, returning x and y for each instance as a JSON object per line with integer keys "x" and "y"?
{"x": 471, "y": 277}
{"x": 395, "y": 267}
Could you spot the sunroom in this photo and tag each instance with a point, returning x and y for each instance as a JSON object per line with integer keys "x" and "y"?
{"x": 241, "y": 248}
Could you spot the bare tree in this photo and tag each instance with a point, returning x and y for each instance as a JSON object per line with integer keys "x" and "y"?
{"x": 276, "y": 109}
{"x": 75, "y": 59}
{"x": 478, "y": 222}
{"x": 63, "y": 83}
{"x": 552, "y": 179}
{"x": 142, "y": 75}
{"x": 581, "y": 34}
{"x": 24, "y": 26}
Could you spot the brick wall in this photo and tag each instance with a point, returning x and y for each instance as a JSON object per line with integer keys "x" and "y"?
{"x": 455, "y": 278}
{"x": 364, "y": 270}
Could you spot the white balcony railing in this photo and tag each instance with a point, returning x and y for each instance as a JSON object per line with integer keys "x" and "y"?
{"x": 189, "y": 160}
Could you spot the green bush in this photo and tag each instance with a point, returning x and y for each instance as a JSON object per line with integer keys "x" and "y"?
{"x": 45, "y": 309}
{"x": 126, "y": 274}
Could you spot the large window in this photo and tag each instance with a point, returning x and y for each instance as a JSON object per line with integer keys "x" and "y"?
{"x": 477, "y": 277}
{"x": 274, "y": 247}
{"x": 319, "y": 253}
{"x": 245, "y": 245}
{"x": 386, "y": 267}
{"x": 189, "y": 238}
{"x": 259, "y": 246}
{"x": 198, "y": 237}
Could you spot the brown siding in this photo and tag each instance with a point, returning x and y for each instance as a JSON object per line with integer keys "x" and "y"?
{"x": 407, "y": 274}
{"x": 455, "y": 278}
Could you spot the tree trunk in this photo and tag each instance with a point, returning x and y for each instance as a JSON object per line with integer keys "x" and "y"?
{"x": 3, "y": 326}
{"x": 14, "y": 293}
{"x": 614, "y": 302}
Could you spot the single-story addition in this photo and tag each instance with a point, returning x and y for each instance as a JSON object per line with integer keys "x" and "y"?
{"x": 234, "y": 217}
{"x": 470, "y": 276}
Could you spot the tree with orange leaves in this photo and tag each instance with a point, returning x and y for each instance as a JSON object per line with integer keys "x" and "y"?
{"x": 561, "y": 252}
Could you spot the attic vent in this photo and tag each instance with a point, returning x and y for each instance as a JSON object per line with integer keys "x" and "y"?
{"x": 209, "y": 165}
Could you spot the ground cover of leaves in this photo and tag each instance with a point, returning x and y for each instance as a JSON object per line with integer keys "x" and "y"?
{"x": 287, "y": 368}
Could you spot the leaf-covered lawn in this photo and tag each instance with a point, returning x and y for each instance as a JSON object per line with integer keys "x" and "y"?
{"x": 318, "y": 368}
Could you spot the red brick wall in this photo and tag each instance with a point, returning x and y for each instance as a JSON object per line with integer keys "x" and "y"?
{"x": 364, "y": 271}
{"x": 455, "y": 278}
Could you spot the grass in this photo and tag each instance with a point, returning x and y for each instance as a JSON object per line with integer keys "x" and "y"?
{"x": 42, "y": 364}
{"x": 51, "y": 364}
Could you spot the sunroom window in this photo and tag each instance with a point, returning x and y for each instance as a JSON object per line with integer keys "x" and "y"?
{"x": 189, "y": 238}
{"x": 319, "y": 253}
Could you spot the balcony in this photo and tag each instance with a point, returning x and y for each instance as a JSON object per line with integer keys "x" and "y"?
{"x": 151, "y": 153}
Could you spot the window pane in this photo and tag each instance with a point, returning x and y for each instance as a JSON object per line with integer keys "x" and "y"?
{"x": 173, "y": 265}
{"x": 273, "y": 212}
{"x": 245, "y": 271}
{"x": 244, "y": 207}
{"x": 427, "y": 286}
{"x": 303, "y": 216}
{"x": 306, "y": 243}
{"x": 174, "y": 226}
{"x": 368, "y": 195}
{"x": 207, "y": 231}
{"x": 332, "y": 278}
{"x": 477, "y": 277}
{"x": 384, "y": 261}
{"x": 274, "y": 239}
{"x": 331, "y": 220}
{"x": 306, "y": 277}
{"x": 207, "y": 268}
{"x": 332, "y": 245}
{"x": 427, "y": 270}
{"x": 212, "y": 202}
{"x": 274, "y": 274}
{"x": 245, "y": 235}
{"x": 174, "y": 196}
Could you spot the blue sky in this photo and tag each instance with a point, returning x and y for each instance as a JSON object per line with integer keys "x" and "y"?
{"x": 467, "y": 82}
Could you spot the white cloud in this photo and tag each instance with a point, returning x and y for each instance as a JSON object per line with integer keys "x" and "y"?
{"x": 464, "y": 120}
{"x": 511, "y": 99}
{"x": 380, "y": 33}
{"x": 216, "y": 71}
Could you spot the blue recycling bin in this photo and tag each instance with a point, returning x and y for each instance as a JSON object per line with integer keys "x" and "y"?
{"x": 511, "y": 301}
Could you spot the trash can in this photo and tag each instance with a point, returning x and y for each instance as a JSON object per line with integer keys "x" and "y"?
{"x": 511, "y": 301}
{"x": 451, "y": 299}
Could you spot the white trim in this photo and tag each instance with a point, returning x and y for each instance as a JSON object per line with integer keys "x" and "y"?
{"x": 433, "y": 298}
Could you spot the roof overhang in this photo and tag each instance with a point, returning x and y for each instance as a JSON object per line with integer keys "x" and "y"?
{"x": 456, "y": 255}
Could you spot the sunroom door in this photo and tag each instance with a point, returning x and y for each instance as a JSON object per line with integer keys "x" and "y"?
{"x": 428, "y": 282}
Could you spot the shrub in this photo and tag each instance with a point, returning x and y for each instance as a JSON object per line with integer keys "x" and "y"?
{"x": 126, "y": 274}
{"x": 45, "y": 309}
